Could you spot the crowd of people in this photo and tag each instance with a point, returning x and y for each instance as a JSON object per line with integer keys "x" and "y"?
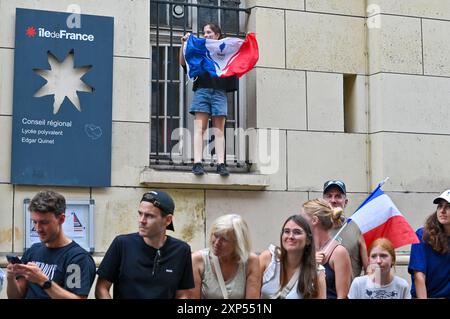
{"x": 308, "y": 262}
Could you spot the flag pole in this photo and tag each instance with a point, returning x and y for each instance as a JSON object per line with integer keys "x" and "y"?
{"x": 349, "y": 220}
{"x": 384, "y": 181}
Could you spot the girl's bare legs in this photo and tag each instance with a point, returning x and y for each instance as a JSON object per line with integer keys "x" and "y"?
{"x": 218, "y": 123}
{"x": 200, "y": 124}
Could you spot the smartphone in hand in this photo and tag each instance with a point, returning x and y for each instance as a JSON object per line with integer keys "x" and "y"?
{"x": 12, "y": 259}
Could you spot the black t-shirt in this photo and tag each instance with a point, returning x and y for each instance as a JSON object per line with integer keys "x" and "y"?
{"x": 71, "y": 267}
{"x": 206, "y": 81}
{"x": 130, "y": 265}
{"x": 228, "y": 84}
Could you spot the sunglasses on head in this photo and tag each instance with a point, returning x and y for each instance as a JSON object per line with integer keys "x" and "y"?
{"x": 337, "y": 182}
{"x": 149, "y": 197}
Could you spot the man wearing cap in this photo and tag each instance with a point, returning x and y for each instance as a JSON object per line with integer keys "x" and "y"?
{"x": 334, "y": 192}
{"x": 148, "y": 264}
{"x": 429, "y": 263}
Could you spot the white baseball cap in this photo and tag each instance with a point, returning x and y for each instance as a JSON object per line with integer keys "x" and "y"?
{"x": 445, "y": 196}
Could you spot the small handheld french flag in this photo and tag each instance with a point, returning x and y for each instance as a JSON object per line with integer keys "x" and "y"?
{"x": 220, "y": 58}
{"x": 378, "y": 217}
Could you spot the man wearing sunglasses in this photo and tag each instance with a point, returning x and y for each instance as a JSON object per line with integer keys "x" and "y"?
{"x": 148, "y": 264}
{"x": 335, "y": 193}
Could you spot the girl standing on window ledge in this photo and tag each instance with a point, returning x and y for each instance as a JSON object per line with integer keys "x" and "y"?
{"x": 210, "y": 99}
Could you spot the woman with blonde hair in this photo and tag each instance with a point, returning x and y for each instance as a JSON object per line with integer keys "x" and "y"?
{"x": 290, "y": 271}
{"x": 330, "y": 253}
{"x": 380, "y": 283}
{"x": 227, "y": 269}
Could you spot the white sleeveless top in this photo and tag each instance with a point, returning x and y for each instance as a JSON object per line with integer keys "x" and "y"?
{"x": 210, "y": 284}
{"x": 271, "y": 279}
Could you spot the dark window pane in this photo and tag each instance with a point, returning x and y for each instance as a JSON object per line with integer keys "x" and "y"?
{"x": 164, "y": 135}
{"x": 161, "y": 19}
{"x": 157, "y": 135}
{"x": 206, "y": 15}
{"x": 158, "y": 62}
{"x": 157, "y": 94}
{"x": 173, "y": 99}
{"x": 155, "y": 62}
{"x": 173, "y": 63}
{"x": 162, "y": 62}
{"x": 230, "y": 18}
{"x": 173, "y": 124}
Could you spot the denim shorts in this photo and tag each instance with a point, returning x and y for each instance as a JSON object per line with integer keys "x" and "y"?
{"x": 210, "y": 101}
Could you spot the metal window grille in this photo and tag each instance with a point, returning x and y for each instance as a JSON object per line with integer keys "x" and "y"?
{"x": 171, "y": 92}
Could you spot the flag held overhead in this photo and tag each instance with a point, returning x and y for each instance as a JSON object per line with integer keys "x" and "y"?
{"x": 220, "y": 58}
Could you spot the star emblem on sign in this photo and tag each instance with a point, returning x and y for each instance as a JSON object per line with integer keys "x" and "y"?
{"x": 30, "y": 32}
{"x": 63, "y": 81}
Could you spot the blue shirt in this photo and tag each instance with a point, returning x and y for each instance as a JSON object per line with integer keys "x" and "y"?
{"x": 71, "y": 267}
{"x": 435, "y": 266}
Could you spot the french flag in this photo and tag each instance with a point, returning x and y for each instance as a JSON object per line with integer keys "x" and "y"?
{"x": 378, "y": 217}
{"x": 220, "y": 58}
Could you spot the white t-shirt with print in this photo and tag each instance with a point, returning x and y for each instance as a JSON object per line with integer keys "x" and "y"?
{"x": 365, "y": 288}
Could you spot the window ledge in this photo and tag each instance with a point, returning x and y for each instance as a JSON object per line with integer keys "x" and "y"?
{"x": 176, "y": 179}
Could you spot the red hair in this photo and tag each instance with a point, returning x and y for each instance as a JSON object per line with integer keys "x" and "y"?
{"x": 385, "y": 244}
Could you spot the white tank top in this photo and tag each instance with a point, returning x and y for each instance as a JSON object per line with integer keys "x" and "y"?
{"x": 271, "y": 279}
{"x": 210, "y": 285}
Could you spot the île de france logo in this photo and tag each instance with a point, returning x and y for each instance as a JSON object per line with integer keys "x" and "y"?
{"x": 30, "y": 32}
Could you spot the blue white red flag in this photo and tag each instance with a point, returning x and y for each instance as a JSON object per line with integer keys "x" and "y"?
{"x": 220, "y": 58}
{"x": 378, "y": 217}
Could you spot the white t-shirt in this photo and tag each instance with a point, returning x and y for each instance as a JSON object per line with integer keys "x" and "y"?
{"x": 364, "y": 288}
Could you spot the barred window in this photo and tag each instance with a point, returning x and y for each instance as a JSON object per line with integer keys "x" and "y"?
{"x": 171, "y": 91}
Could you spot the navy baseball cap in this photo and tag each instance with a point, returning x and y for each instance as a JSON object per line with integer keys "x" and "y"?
{"x": 161, "y": 200}
{"x": 336, "y": 183}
